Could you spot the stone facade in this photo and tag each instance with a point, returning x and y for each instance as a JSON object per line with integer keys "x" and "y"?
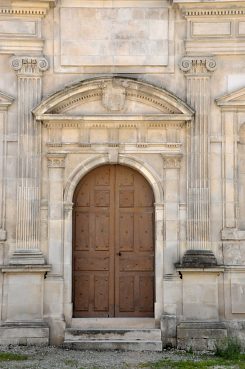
{"x": 157, "y": 86}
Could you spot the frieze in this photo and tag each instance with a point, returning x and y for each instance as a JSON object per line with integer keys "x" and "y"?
{"x": 197, "y": 64}
{"x": 29, "y": 65}
{"x": 56, "y": 160}
{"x": 171, "y": 161}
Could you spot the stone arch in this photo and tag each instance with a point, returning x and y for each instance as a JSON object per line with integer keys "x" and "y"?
{"x": 81, "y": 170}
{"x": 75, "y": 177}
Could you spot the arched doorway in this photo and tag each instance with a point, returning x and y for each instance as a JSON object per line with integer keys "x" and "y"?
{"x": 113, "y": 244}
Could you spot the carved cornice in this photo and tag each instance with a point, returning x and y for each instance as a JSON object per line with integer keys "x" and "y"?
{"x": 211, "y": 12}
{"x": 171, "y": 161}
{"x": 56, "y": 160}
{"x": 29, "y": 65}
{"x": 197, "y": 65}
{"x": 24, "y": 8}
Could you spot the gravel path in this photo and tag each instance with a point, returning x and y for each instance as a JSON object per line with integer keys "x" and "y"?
{"x": 57, "y": 358}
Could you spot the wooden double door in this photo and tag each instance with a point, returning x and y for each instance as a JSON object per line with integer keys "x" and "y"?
{"x": 113, "y": 244}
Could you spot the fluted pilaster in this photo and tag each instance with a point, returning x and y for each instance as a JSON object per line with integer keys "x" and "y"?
{"x": 198, "y": 71}
{"x": 29, "y": 73}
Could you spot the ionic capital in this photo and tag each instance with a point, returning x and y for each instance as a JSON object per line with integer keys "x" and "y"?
{"x": 56, "y": 160}
{"x": 198, "y": 65}
{"x": 29, "y": 65}
{"x": 171, "y": 161}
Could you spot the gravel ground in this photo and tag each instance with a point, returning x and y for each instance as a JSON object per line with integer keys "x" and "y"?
{"x": 58, "y": 358}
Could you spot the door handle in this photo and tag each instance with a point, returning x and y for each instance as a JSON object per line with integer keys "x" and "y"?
{"x": 119, "y": 253}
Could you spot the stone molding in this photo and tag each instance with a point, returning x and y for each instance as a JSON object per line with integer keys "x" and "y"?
{"x": 213, "y": 12}
{"x": 56, "y": 160}
{"x": 171, "y": 161}
{"x": 197, "y": 64}
{"x": 24, "y": 8}
{"x": 29, "y": 65}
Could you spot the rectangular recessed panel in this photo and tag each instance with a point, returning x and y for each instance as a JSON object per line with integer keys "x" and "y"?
{"x": 126, "y": 299}
{"x": 17, "y": 27}
{"x": 114, "y": 36}
{"x": 82, "y": 231}
{"x": 102, "y": 198}
{"x": 83, "y": 197}
{"x": 91, "y": 263}
{"x": 101, "y": 292}
{"x": 126, "y": 198}
{"x": 82, "y": 288}
{"x": 102, "y": 177}
{"x": 145, "y": 231}
{"x": 211, "y": 28}
{"x": 136, "y": 263}
{"x": 102, "y": 223}
{"x": 126, "y": 232}
{"x": 146, "y": 293}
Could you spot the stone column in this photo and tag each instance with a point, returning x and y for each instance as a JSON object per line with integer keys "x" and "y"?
{"x": 198, "y": 72}
{"x": 54, "y": 283}
{"x": 171, "y": 164}
{"x": 29, "y": 73}
{"x": 56, "y": 165}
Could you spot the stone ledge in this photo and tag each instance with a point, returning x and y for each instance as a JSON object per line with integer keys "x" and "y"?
{"x": 198, "y": 259}
{"x": 25, "y": 268}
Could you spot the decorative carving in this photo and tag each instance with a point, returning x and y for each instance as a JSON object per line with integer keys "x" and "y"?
{"x": 29, "y": 65}
{"x": 197, "y": 64}
{"x": 212, "y": 12}
{"x": 114, "y": 97}
{"x": 56, "y": 160}
{"x": 171, "y": 161}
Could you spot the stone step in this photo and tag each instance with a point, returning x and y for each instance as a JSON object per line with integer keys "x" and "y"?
{"x": 130, "y": 345}
{"x": 72, "y": 334}
{"x": 110, "y": 323}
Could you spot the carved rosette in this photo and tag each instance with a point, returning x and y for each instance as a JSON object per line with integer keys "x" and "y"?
{"x": 197, "y": 64}
{"x": 29, "y": 65}
{"x": 171, "y": 161}
{"x": 56, "y": 160}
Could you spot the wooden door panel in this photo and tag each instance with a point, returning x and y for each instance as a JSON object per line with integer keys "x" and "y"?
{"x": 127, "y": 297}
{"x": 102, "y": 198}
{"x": 91, "y": 263}
{"x": 126, "y": 232}
{"x": 82, "y": 231}
{"x": 146, "y": 296}
{"x": 101, "y": 293}
{"x": 102, "y": 231}
{"x": 113, "y": 244}
{"x": 135, "y": 263}
{"x": 81, "y": 286}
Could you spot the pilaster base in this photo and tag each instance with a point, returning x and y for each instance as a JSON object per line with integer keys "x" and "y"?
{"x": 168, "y": 329}
{"x": 24, "y": 333}
{"x": 200, "y": 336}
{"x": 27, "y": 257}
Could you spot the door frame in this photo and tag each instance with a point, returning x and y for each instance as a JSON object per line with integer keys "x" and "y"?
{"x": 156, "y": 184}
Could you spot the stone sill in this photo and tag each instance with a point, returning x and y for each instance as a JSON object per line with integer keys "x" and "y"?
{"x": 25, "y": 268}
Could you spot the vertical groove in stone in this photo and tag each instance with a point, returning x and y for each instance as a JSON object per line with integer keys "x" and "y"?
{"x": 29, "y": 71}
{"x": 198, "y": 97}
